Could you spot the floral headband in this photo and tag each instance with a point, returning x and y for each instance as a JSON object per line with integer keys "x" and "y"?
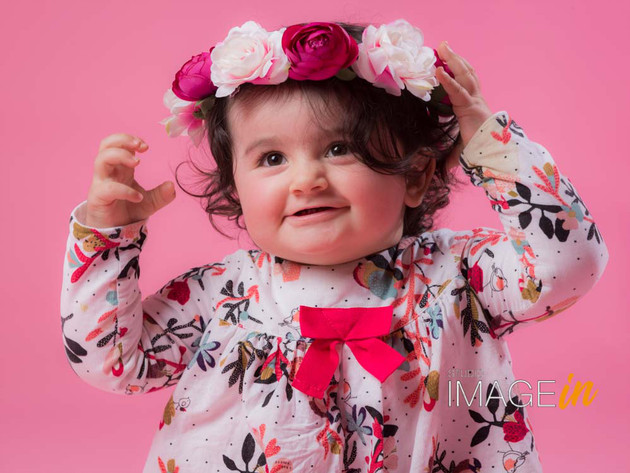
{"x": 391, "y": 57}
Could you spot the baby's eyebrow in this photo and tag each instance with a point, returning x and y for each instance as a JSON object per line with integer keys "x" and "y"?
{"x": 267, "y": 140}
{"x": 260, "y": 142}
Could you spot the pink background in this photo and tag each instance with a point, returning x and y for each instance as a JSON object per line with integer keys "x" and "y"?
{"x": 76, "y": 71}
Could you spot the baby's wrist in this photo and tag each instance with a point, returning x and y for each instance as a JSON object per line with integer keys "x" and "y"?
{"x": 473, "y": 124}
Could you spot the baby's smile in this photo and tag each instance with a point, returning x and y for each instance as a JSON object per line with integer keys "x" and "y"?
{"x": 315, "y": 216}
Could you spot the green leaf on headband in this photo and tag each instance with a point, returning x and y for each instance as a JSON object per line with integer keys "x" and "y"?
{"x": 204, "y": 106}
{"x": 346, "y": 74}
{"x": 438, "y": 93}
{"x": 443, "y": 109}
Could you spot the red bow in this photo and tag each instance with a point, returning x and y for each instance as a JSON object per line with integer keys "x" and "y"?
{"x": 359, "y": 328}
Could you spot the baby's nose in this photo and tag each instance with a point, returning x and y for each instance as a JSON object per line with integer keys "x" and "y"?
{"x": 308, "y": 177}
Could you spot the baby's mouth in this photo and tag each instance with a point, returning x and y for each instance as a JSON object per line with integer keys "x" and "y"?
{"x": 311, "y": 211}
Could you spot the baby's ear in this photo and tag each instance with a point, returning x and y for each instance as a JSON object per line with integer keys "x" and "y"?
{"x": 417, "y": 184}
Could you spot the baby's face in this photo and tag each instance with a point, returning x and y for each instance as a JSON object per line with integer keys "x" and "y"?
{"x": 284, "y": 162}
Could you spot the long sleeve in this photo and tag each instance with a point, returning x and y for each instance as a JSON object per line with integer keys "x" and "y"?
{"x": 114, "y": 340}
{"x": 549, "y": 253}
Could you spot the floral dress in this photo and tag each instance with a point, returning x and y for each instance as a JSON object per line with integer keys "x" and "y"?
{"x": 282, "y": 367}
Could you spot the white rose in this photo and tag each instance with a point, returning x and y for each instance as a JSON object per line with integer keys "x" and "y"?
{"x": 393, "y": 56}
{"x": 248, "y": 54}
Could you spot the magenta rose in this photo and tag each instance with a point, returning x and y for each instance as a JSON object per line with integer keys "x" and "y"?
{"x": 438, "y": 63}
{"x": 192, "y": 82}
{"x": 318, "y": 51}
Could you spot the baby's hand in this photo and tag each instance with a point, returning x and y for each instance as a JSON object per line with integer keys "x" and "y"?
{"x": 464, "y": 92}
{"x": 115, "y": 198}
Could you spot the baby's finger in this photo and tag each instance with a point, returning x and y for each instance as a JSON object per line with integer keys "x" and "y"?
{"x": 463, "y": 73}
{"x": 110, "y": 191}
{"x": 457, "y": 94}
{"x": 472, "y": 71}
{"x": 123, "y": 140}
{"x": 159, "y": 196}
{"x": 110, "y": 159}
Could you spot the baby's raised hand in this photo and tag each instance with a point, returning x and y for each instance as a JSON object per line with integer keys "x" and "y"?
{"x": 114, "y": 197}
{"x": 464, "y": 92}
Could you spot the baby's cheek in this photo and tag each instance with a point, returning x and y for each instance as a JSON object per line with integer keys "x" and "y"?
{"x": 261, "y": 216}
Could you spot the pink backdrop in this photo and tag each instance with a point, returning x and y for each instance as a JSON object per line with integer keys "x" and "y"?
{"x": 76, "y": 71}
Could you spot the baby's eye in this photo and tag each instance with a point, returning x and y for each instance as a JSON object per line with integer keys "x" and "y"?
{"x": 267, "y": 160}
{"x": 264, "y": 159}
{"x": 339, "y": 149}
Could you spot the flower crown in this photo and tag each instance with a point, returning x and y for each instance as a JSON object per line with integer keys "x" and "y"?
{"x": 391, "y": 57}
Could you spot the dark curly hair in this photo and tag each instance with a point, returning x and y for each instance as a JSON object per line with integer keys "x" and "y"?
{"x": 387, "y": 133}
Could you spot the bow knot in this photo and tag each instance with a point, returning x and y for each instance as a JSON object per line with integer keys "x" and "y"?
{"x": 359, "y": 328}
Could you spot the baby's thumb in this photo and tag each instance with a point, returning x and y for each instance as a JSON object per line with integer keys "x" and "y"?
{"x": 162, "y": 195}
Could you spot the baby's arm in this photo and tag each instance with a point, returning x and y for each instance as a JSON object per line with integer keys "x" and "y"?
{"x": 114, "y": 340}
{"x": 550, "y": 252}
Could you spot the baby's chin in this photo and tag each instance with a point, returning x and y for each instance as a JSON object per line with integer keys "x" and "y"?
{"x": 317, "y": 260}
{"x": 328, "y": 247}
{"x": 321, "y": 256}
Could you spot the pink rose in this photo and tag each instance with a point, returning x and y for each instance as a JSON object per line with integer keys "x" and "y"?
{"x": 318, "y": 51}
{"x": 393, "y": 57}
{"x": 192, "y": 82}
{"x": 248, "y": 54}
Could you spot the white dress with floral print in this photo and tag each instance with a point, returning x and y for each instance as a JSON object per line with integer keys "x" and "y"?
{"x": 227, "y": 335}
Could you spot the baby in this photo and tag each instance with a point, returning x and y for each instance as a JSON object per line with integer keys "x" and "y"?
{"x": 327, "y": 347}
